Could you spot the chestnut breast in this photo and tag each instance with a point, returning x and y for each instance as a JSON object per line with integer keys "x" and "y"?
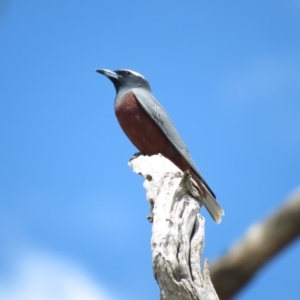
{"x": 139, "y": 127}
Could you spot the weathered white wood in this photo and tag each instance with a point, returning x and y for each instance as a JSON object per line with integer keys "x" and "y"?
{"x": 178, "y": 230}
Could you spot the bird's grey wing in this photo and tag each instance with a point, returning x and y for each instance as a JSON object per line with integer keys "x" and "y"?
{"x": 161, "y": 118}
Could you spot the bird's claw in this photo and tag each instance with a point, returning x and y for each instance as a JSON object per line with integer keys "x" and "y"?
{"x": 135, "y": 155}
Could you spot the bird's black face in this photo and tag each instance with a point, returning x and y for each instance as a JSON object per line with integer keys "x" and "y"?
{"x": 125, "y": 80}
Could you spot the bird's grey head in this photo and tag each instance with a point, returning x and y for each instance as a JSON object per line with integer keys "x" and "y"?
{"x": 125, "y": 80}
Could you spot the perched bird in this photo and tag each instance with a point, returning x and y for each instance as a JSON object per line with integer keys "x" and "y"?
{"x": 151, "y": 130}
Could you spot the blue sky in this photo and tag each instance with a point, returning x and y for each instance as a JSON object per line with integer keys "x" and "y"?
{"x": 72, "y": 213}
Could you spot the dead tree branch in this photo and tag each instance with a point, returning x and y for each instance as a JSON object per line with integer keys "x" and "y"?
{"x": 262, "y": 242}
{"x": 177, "y": 232}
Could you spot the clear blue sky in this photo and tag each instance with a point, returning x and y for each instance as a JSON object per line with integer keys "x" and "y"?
{"x": 72, "y": 213}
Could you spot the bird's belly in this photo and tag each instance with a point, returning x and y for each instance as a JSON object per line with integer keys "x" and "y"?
{"x": 139, "y": 127}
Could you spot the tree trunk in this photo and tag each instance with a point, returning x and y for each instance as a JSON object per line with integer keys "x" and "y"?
{"x": 177, "y": 232}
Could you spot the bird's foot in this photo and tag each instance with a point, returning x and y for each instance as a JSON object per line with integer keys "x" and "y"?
{"x": 135, "y": 155}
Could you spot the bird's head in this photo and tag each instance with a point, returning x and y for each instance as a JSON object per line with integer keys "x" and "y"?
{"x": 125, "y": 80}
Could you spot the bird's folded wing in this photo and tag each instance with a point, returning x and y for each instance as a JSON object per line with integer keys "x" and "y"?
{"x": 161, "y": 118}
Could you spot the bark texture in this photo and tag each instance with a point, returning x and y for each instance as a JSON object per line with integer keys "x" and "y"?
{"x": 178, "y": 230}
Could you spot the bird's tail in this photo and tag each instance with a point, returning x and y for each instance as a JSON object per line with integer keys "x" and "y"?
{"x": 213, "y": 207}
{"x": 209, "y": 199}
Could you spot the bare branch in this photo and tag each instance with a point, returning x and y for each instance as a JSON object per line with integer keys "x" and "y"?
{"x": 262, "y": 241}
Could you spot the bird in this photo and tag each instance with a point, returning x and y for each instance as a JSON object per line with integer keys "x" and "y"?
{"x": 150, "y": 129}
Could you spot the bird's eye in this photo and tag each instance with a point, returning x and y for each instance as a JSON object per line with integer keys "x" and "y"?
{"x": 126, "y": 73}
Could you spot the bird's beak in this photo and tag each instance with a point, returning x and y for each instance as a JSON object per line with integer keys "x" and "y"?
{"x": 108, "y": 73}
